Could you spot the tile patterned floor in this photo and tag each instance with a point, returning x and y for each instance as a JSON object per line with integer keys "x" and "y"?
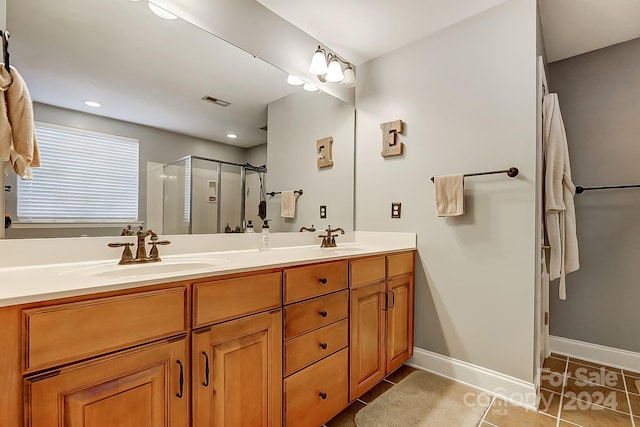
{"x": 574, "y": 393}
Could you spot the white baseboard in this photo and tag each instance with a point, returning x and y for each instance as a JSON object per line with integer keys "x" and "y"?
{"x": 616, "y": 357}
{"x": 504, "y": 386}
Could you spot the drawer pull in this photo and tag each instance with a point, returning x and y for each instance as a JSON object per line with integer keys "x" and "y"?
{"x": 179, "y": 393}
{"x": 206, "y": 369}
{"x": 322, "y": 395}
{"x": 323, "y": 313}
{"x": 393, "y": 299}
{"x": 323, "y": 345}
{"x": 323, "y": 280}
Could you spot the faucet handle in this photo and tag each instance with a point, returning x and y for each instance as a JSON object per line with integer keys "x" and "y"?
{"x": 154, "y": 254}
{"x": 127, "y": 256}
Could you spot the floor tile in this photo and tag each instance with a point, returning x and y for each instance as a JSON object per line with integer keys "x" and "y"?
{"x": 594, "y": 364}
{"x": 554, "y": 365}
{"x": 376, "y": 391}
{"x": 549, "y": 403}
{"x": 600, "y": 376}
{"x": 591, "y": 393}
{"x": 633, "y": 384}
{"x": 400, "y": 373}
{"x": 505, "y": 414}
{"x": 559, "y": 356}
{"x": 584, "y": 414}
{"x": 551, "y": 381}
{"x": 346, "y": 418}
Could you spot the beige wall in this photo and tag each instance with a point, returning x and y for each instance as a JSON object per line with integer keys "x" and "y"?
{"x": 468, "y": 97}
{"x": 599, "y": 96}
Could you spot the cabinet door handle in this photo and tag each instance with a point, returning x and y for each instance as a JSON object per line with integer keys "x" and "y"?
{"x": 323, "y": 280}
{"x": 323, "y": 313}
{"x": 323, "y": 345}
{"x": 393, "y": 299}
{"x": 206, "y": 369}
{"x": 179, "y": 393}
{"x": 322, "y": 395}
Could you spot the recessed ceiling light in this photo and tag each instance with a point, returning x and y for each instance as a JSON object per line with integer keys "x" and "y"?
{"x": 92, "y": 104}
{"x": 294, "y": 81}
{"x": 309, "y": 87}
{"x": 162, "y": 13}
{"x": 232, "y": 135}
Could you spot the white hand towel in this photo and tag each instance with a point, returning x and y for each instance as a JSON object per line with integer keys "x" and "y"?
{"x": 449, "y": 195}
{"x": 288, "y": 204}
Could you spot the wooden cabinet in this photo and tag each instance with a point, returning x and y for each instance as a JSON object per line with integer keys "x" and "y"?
{"x": 146, "y": 386}
{"x": 237, "y": 372}
{"x": 381, "y": 318}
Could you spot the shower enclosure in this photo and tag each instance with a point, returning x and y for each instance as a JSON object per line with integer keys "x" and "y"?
{"x": 202, "y": 196}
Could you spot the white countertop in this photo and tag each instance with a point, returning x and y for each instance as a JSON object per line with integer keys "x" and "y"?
{"x": 59, "y": 275}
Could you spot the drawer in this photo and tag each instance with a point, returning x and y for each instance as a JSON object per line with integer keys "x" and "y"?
{"x": 316, "y": 313}
{"x": 307, "y": 282}
{"x": 400, "y": 264}
{"x": 226, "y": 299}
{"x": 367, "y": 270}
{"x": 313, "y": 346}
{"x": 64, "y": 333}
{"x": 317, "y": 393}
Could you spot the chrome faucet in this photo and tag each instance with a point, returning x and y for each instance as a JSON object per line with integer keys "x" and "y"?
{"x": 141, "y": 252}
{"x": 329, "y": 240}
{"x": 312, "y": 229}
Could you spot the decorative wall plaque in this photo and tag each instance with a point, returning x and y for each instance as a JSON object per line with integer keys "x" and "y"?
{"x": 324, "y": 148}
{"x": 390, "y": 144}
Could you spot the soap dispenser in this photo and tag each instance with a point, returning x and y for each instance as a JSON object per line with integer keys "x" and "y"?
{"x": 249, "y": 228}
{"x": 266, "y": 243}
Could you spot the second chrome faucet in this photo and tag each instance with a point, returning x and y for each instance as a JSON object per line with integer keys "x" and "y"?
{"x": 141, "y": 251}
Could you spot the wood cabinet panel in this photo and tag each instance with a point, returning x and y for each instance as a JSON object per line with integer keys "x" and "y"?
{"x": 367, "y": 340}
{"x": 317, "y": 393}
{"x": 402, "y": 263}
{"x": 368, "y": 270}
{"x": 400, "y": 321}
{"x": 131, "y": 388}
{"x": 308, "y": 315}
{"x": 65, "y": 333}
{"x": 226, "y": 299}
{"x": 237, "y": 372}
{"x": 302, "y": 283}
{"x": 313, "y": 346}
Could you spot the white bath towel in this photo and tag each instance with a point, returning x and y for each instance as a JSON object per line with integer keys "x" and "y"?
{"x": 288, "y": 204}
{"x": 560, "y": 216}
{"x": 449, "y": 195}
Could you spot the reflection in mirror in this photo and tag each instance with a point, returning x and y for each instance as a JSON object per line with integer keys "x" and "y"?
{"x": 150, "y": 75}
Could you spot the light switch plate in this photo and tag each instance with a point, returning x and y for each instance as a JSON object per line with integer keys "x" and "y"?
{"x": 396, "y": 209}
{"x": 323, "y": 211}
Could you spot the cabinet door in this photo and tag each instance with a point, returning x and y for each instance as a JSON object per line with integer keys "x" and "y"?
{"x": 141, "y": 387}
{"x": 237, "y": 372}
{"x": 367, "y": 342}
{"x": 399, "y": 321}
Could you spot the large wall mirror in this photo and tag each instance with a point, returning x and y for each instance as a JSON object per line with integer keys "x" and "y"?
{"x": 150, "y": 76}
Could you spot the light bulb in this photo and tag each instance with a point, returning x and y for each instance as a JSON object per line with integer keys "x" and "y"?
{"x": 161, "y": 12}
{"x": 334, "y": 72}
{"x": 309, "y": 87}
{"x": 294, "y": 81}
{"x": 318, "y": 63}
{"x": 349, "y": 77}
{"x": 92, "y": 104}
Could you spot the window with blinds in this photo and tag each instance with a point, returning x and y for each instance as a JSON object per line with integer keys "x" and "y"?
{"x": 85, "y": 177}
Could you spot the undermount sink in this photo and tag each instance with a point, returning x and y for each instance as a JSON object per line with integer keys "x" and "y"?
{"x": 166, "y": 266}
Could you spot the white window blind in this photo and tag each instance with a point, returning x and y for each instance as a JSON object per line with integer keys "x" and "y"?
{"x": 85, "y": 177}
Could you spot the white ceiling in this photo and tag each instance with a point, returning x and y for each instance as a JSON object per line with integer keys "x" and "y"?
{"x": 573, "y": 27}
{"x": 142, "y": 68}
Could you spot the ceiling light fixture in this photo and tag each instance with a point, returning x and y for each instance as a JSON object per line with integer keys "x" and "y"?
{"x": 309, "y": 87}
{"x": 93, "y": 104}
{"x": 294, "y": 81}
{"x": 162, "y": 13}
{"x": 232, "y": 135}
{"x": 326, "y": 66}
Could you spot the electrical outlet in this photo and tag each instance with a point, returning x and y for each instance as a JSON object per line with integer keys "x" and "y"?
{"x": 323, "y": 211}
{"x": 396, "y": 209}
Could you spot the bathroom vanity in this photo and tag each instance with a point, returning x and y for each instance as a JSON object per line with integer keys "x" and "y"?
{"x": 290, "y": 341}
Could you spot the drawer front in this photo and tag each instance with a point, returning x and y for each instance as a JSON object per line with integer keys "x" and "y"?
{"x": 66, "y": 332}
{"x": 226, "y": 299}
{"x": 317, "y": 393}
{"x": 309, "y": 348}
{"x": 365, "y": 271}
{"x": 307, "y": 282}
{"x": 316, "y": 313}
{"x": 400, "y": 264}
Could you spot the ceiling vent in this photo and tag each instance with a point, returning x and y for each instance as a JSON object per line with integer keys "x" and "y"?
{"x": 213, "y": 100}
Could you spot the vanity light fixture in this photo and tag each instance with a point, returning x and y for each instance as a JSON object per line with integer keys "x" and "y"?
{"x": 232, "y": 135}
{"x": 162, "y": 13}
{"x": 327, "y": 67}
{"x": 309, "y": 87}
{"x": 294, "y": 81}
{"x": 93, "y": 104}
